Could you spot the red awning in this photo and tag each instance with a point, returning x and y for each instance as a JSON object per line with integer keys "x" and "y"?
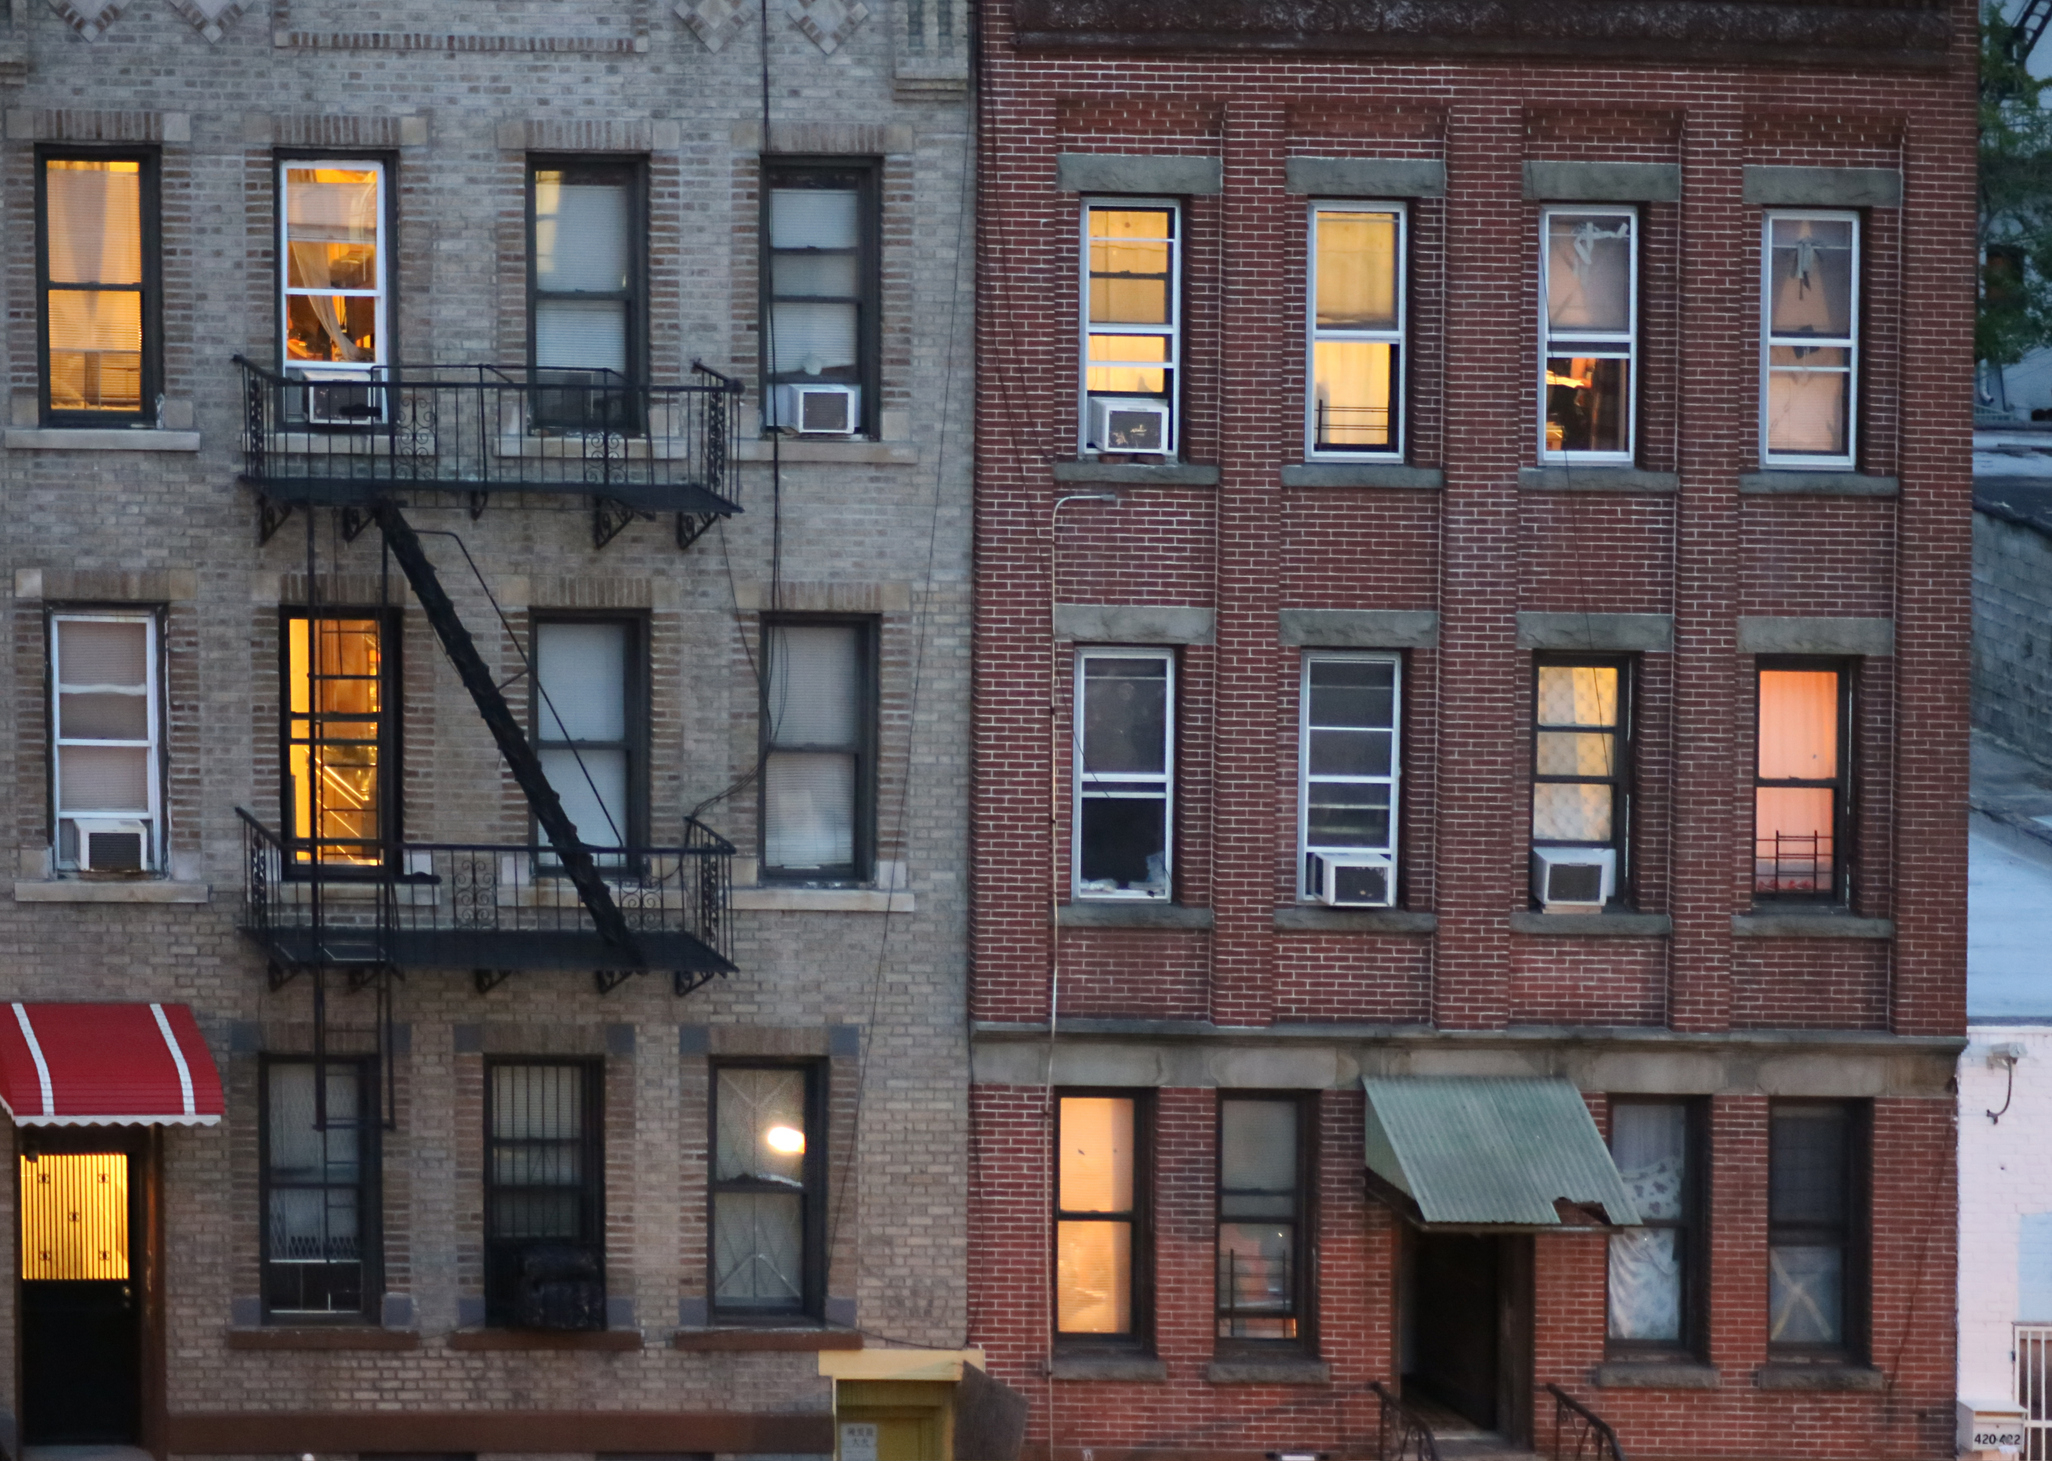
{"x": 106, "y": 1065}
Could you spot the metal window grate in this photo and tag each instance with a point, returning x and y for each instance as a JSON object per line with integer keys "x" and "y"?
{"x": 2032, "y": 1358}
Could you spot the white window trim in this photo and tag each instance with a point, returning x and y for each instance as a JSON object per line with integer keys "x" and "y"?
{"x": 152, "y": 814}
{"x": 1306, "y": 893}
{"x": 1850, "y": 343}
{"x": 1399, "y": 337}
{"x": 1166, "y": 779}
{"x": 1172, "y": 445}
{"x": 1604, "y": 342}
{"x": 341, "y": 370}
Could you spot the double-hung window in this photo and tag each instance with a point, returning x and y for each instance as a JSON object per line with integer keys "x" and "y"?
{"x": 1101, "y": 1219}
{"x": 106, "y": 723}
{"x": 586, "y": 266}
{"x": 1347, "y": 777}
{"x": 1132, "y": 326}
{"x": 1125, "y": 773}
{"x": 320, "y": 1191}
{"x": 99, "y": 288}
{"x": 334, "y": 299}
{"x": 1656, "y": 1269}
{"x": 591, "y": 725}
{"x": 544, "y": 1196}
{"x": 1264, "y": 1158}
{"x": 820, "y": 287}
{"x": 1816, "y": 1202}
{"x": 1810, "y": 339}
{"x": 1581, "y": 762}
{"x": 818, "y": 750}
{"x": 769, "y": 1169}
{"x": 1801, "y": 781}
{"x": 1588, "y": 322}
{"x": 1356, "y": 324}
{"x": 341, "y": 736}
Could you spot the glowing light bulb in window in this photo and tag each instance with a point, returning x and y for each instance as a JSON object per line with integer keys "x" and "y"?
{"x": 787, "y": 1141}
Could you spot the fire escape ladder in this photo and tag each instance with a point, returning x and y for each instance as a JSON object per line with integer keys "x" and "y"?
{"x": 505, "y": 728}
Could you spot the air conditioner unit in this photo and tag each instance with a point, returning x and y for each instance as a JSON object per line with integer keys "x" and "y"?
{"x": 110, "y": 845}
{"x": 1354, "y": 880}
{"x": 822, "y": 410}
{"x": 1574, "y": 879}
{"x": 1128, "y": 424}
{"x": 343, "y": 400}
{"x": 560, "y": 1287}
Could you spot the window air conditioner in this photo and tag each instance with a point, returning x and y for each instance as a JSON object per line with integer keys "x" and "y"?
{"x": 342, "y": 400}
{"x": 560, "y": 1288}
{"x": 822, "y": 410}
{"x": 1353, "y": 880}
{"x": 1574, "y": 879}
{"x": 1128, "y": 424}
{"x": 108, "y": 845}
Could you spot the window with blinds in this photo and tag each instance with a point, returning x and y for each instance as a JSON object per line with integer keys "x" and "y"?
{"x": 590, "y": 722}
{"x": 98, "y": 234}
{"x": 820, "y": 282}
{"x": 586, "y": 269}
{"x": 818, "y": 721}
{"x": 319, "y": 1199}
{"x": 107, "y": 723}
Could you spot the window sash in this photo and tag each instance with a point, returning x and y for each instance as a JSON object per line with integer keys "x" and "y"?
{"x": 1849, "y": 342}
{"x": 62, "y": 687}
{"x": 863, "y": 262}
{"x": 1842, "y": 1239}
{"x": 628, "y": 824}
{"x": 327, "y": 1279}
{"x": 748, "y": 1197}
{"x": 577, "y": 172}
{"x": 1147, "y": 786}
{"x": 1169, "y": 333}
{"x": 1823, "y": 874}
{"x": 145, "y": 290}
{"x": 1395, "y": 336}
{"x": 1687, "y": 1229}
{"x": 1558, "y": 343}
{"x": 371, "y": 733}
{"x": 1127, "y": 1225}
{"x": 1285, "y": 1211}
{"x": 1307, "y": 779}
{"x": 1618, "y": 780}
{"x": 379, "y": 293}
{"x": 857, "y": 754}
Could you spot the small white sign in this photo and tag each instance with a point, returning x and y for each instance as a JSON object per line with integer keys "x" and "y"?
{"x": 858, "y": 1441}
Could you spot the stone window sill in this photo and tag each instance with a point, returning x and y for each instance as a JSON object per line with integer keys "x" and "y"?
{"x": 1316, "y": 918}
{"x": 800, "y": 451}
{"x": 1143, "y": 1367}
{"x": 1657, "y": 1375}
{"x": 1361, "y": 474}
{"x": 327, "y": 1337}
{"x": 1138, "y": 474}
{"x": 125, "y": 890}
{"x": 767, "y": 898}
{"x": 1593, "y": 925}
{"x": 1819, "y": 1377}
{"x": 1821, "y": 924}
{"x": 780, "y": 1340}
{"x": 590, "y": 1339}
{"x": 1280, "y": 1369}
{"x": 1594, "y": 478}
{"x": 1781, "y": 482}
{"x": 1110, "y": 914}
{"x": 88, "y": 438}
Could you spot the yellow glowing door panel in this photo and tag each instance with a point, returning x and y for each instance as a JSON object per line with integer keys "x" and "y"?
{"x": 74, "y": 1216}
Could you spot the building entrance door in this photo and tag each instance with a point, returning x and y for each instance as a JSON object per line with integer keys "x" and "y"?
{"x": 1469, "y": 1344}
{"x": 81, "y": 1296}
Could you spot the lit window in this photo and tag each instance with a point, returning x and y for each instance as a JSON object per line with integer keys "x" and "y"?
{"x": 767, "y": 1240}
{"x": 1357, "y": 328}
{"x": 1261, "y": 1230}
{"x": 99, "y": 290}
{"x": 1589, "y": 319}
{"x": 1581, "y": 758}
{"x": 1799, "y": 798}
{"x": 1132, "y": 327}
{"x": 336, "y": 733}
{"x": 1099, "y": 1239}
{"x": 334, "y": 309}
{"x": 1811, "y": 339}
{"x": 1125, "y": 772}
{"x": 105, "y": 718}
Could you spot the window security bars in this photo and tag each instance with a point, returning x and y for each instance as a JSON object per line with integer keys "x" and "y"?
{"x": 544, "y": 1196}
{"x": 1589, "y": 315}
{"x": 1356, "y": 329}
{"x": 1809, "y": 336}
{"x": 2032, "y": 1360}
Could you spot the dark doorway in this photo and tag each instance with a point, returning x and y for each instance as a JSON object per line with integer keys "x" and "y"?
{"x": 1469, "y": 1327}
{"x": 82, "y": 1286}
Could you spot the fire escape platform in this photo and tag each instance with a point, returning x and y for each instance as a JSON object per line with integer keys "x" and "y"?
{"x": 459, "y": 948}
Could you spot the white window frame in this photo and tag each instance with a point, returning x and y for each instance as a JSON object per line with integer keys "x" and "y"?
{"x": 337, "y": 370}
{"x": 1166, "y": 778}
{"x": 1399, "y": 337}
{"x": 1173, "y": 331}
{"x": 1603, "y": 344}
{"x": 153, "y": 814}
{"x": 1850, "y": 343}
{"x": 1306, "y": 891}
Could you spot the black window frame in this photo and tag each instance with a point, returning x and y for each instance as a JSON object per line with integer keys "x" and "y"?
{"x": 151, "y": 288}
{"x": 636, "y": 707}
{"x": 868, "y": 637}
{"x": 1853, "y": 1236}
{"x": 1304, "y": 1222}
{"x": 1623, "y": 796}
{"x": 369, "y": 1185}
{"x": 1140, "y": 1337}
{"x": 1844, "y": 811}
{"x": 812, "y": 1303}
{"x": 569, "y": 408}
{"x": 1694, "y": 1246}
{"x": 828, "y": 173}
{"x": 502, "y": 1255}
{"x": 391, "y": 797}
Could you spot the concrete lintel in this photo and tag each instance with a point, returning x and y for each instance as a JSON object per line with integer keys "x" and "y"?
{"x": 1139, "y": 474}
{"x": 1316, "y": 918}
{"x": 1819, "y": 1377}
{"x": 1593, "y": 925}
{"x": 1110, "y": 172}
{"x": 1803, "y": 634}
{"x": 1135, "y": 623}
{"x": 108, "y": 585}
{"x": 1783, "y": 482}
{"x": 142, "y": 890}
{"x": 1281, "y": 1370}
{"x": 1359, "y": 628}
{"x": 1810, "y": 925}
{"x": 1595, "y": 477}
{"x": 1123, "y": 1367}
{"x": 1824, "y": 187}
{"x": 1132, "y": 913}
{"x": 1603, "y": 182}
{"x": 1367, "y": 177}
{"x": 821, "y": 900}
{"x": 1622, "y": 633}
{"x": 1362, "y": 474}
{"x": 94, "y": 438}
{"x": 1656, "y": 1375}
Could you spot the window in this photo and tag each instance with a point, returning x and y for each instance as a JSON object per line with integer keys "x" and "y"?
{"x": 1800, "y": 785}
{"x": 1101, "y": 1234}
{"x": 586, "y": 269}
{"x": 340, "y": 807}
{"x": 334, "y": 307}
{"x": 1656, "y": 1270}
{"x": 544, "y": 1218}
{"x": 1816, "y": 1291}
{"x": 1357, "y": 329}
{"x": 100, "y": 308}
{"x": 107, "y": 730}
{"x": 1810, "y": 338}
{"x": 1589, "y": 329}
{"x": 1132, "y": 326}
{"x": 591, "y": 725}
{"x": 769, "y": 1169}
{"x": 820, "y": 284}
{"x": 819, "y": 734}
{"x": 1125, "y": 772}
{"x": 1347, "y": 771}
{"x": 320, "y": 1191}
{"x": 1581, "y": 737}
{"x": 1264, "y": 1157}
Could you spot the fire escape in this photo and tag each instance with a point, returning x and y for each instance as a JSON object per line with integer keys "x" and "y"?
{"x": 367, "y": 451}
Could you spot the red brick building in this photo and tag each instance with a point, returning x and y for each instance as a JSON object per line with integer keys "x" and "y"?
{"x": 1473, "y": 560}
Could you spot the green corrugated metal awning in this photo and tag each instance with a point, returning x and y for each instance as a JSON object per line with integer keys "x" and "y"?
{"x": 1492, "y": 1152}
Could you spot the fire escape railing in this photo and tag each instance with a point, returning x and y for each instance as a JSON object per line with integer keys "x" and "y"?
{"x": 1401, "y": 1434}
{"x": 1575, "y": 1425}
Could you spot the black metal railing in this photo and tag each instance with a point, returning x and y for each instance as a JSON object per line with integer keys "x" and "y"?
{"x": 485, "y": 429}
{"x": 491, "y": 908}
{"x": 1590, "y": 1434}
{"x": 1401, "y": 1434}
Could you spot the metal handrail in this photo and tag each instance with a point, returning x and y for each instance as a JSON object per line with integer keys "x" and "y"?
{"x": 1414, "y": 1439}
{"x": 1594, "y": 1439}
